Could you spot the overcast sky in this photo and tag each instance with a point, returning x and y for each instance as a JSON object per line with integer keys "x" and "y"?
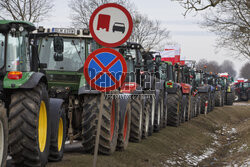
{"x": 196, "y": 43}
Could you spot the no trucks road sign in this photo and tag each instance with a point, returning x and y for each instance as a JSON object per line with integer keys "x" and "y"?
{"x": 111, "y": 25}
{"x": 105, "y": 69}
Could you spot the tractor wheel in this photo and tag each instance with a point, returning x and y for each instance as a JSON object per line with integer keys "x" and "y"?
{"x": 29, "y": 127}
{"x": 151, "y": 102}
{"x": 184, "y": 109}
{"x": 193, "y": 107}
{"x": 212, "y": 102}
{"x": 3, "y": 135}
{"x": 198, "y": 105}
{"x": 230, "y": 99}
{"x": 165, "y": 111}
{"x": 109, "y": 124}
{"x": 204, "y": 98}
{"x": 136, "y": 120}
{"x": 223, "y": 99}
{"x": 58, "y": 136}
{"x": 174, "y": 104}
{"x": 159, "y": 113}
{"x": 146, "y": 119}
{"x": 123, "y": 136}
{"x": 218, "y": 98}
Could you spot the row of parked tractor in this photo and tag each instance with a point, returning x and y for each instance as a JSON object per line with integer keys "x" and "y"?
{"x": 46, "y": 101}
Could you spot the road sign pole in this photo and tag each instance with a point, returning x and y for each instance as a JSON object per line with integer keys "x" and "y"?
{"x": 98, "y": 130}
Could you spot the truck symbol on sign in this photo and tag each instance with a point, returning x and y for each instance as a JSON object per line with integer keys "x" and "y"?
{"x": 119, "y": 27}
{"x": 103, "y": 22}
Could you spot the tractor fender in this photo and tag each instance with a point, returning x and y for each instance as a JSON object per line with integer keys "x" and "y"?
{"x": 204, "y": 89}
{"x": 173, "y": 90}
{"x": 186, "y": 88}
{"x": 87, "y": 90}
{"x": 124, "y": 102}
{"x": 55, "y": 107}
{"x": 34, "y": 80}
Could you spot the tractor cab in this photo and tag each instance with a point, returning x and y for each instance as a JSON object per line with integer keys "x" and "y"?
{"x": 62, "y": 53}
{"x": 132, "y": 52}
{"x": 15, "y": 52}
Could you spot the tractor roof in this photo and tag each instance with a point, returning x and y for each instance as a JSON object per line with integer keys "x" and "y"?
{"x": 168, "y": 62}
{"x": 5, "y": 25}
{"x": 64, "y": 32}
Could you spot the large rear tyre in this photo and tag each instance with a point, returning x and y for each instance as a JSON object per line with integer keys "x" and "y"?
{"x": 109, "y": 124}
{"x": 29, "y": 127}
{"x": 174, "y": 103}
{"x": 58, "y": 136}
{"x": 146, "y": 119}
{"x": 159, "y": 113}
{"x": 198, "y": 105}
{"x": 184, "y": 109}
{"x": 165, "y": 111}
{"x": 193, "y": 107}
{"x": 136, "y": 120}
{"x": 212, "y": 102}
{"x": 123, "y": 136}
{"x": 151, "y": 103}
{"x": 218, "y": 98}
{"x": 3, "y": 135}
{"x": 230, "y": 99}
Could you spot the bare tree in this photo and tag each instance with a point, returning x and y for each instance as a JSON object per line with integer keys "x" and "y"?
{"x": 228, "y": 66}
{"x": 147, "y": 32}
{"x": 245, "y": 71}
{"x": 230, "y": 20}
{"x": 198, "y": 5}
{"x": 82, "y": 10}
{"x": 25, "y": 10}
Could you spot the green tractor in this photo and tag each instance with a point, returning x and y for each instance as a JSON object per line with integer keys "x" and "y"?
{"x": 80, "y": 104}
{"x": 23, "y": 92}
{"x": 205, "y": 90}
{"x": 226, "y": 82}
{"x": 214, "y": 80}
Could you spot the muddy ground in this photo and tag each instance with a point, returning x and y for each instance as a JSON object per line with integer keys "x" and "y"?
{"x": 221, "y": 138}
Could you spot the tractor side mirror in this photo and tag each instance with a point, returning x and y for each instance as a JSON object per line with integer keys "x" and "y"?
{"x": 58, "y": 45}
{"x": 58, "y": 56}
{"x": 158, "y": 59}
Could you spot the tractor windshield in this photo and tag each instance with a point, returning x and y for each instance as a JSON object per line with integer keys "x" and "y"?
{"x": 2, "y": 44}
{"x": 17, "y": 52}
{"x": 73, "y": 55}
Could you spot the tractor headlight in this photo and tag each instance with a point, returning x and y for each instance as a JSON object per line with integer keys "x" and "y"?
{"x": 13, "y": 29}
{"x": 21, "y": 29}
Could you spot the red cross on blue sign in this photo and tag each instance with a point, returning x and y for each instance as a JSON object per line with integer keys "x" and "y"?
{"x": 105, "y": 69}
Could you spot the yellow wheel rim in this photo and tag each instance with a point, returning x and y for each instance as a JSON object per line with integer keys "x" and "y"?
{"x": 60, "y": 134}
{"x": 42, "y": 127}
